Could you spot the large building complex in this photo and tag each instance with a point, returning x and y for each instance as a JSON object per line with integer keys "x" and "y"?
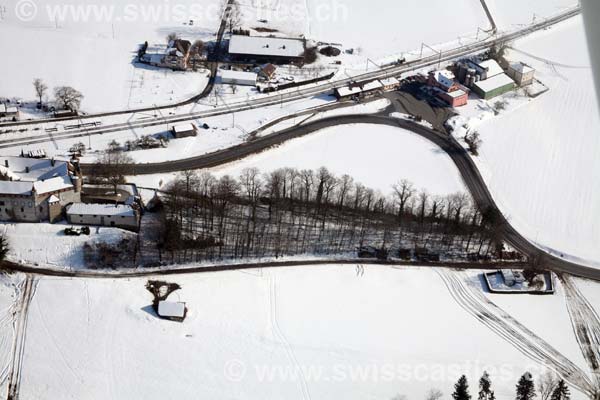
{"x": 34, "y": 190}
{"x": 266, "y": 49}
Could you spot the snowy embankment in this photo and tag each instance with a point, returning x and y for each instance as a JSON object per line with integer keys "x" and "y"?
{"x": 386, "y": 332}
{"x": 540, "y": 160}
{"x": 375, "y": 155}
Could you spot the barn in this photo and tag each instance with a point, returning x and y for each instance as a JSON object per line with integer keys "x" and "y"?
{"x": 256, "y": 49}
{"x": 231, "y": 77}
{"x": 494, "y": 86}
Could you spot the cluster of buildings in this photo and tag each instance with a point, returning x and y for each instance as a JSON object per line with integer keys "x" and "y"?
{"x": 487, "y": 79}
{"x": 359, "y": 90}
{"x": 177, "y": 56}
{"x": 38, "y": 190}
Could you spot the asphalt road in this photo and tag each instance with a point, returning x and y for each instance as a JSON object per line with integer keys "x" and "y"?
{"x": 461, "y": 158}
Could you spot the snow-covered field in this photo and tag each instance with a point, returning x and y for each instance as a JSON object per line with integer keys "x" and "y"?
{"x": 272, "y": 334}
{"x": 377, "y": 156}
{"x": 541, "y": 160}
{"x": 512, "y": 13}
{"x": 47, "y": 245}
{"x": 93, "y": 50}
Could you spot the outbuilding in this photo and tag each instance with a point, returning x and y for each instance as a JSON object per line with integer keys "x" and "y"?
{"x": 8, "y": 111}
{"x": 362, "y": 89}
{"x": 390, "y": 83}
{"x": 118, "y": 216}
{"x": 184, "y": 130}
{"x": 174, "y": 311}
{"x": 523, "y": 74}
{"x": 242, "y": 78}
{"x": 456, "y": 98}
{"x": 494, "y": 86}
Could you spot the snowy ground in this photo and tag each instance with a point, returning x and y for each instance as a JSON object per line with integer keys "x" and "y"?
{"x": 377, "y": 156}
{"x": 540, "y": 160}
{"x": 47, "y": 245}
{"x": 94, "y": 52}
{"x": 369, "y": 341}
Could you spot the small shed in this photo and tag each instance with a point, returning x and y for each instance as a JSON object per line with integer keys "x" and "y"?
{"x": 523, "y": 74}
{"x": 242, "y": 78}
{"x": 174, "y": 311}
{"x": 184, "y": 130}
{"x": 456, "y": 98}
{"x": 494, "y": 86}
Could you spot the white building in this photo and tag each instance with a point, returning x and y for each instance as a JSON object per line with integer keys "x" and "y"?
{"x": 522, "y": 74}
{"x": 171, "y": 310}
{"x": 8, "y": 111}
{"x": 184, "y": 130}
{"x": 118, "y": 216}
{"x": 231, "y": 77}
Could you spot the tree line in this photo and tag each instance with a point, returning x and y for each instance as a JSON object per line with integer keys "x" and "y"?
{"x": 290, "y": 212}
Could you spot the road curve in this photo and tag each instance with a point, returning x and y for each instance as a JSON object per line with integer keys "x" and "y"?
{"x": 461, "y": 158}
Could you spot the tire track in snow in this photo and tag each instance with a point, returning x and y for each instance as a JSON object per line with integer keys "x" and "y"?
{"x": 286, "y": 344}
{"x": 519, "y": 336}
{"x": 586, "y": 326}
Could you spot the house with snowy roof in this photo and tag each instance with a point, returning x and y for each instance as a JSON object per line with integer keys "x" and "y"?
{"x": 35, "y": 190}
{"x": 114, "y": 215}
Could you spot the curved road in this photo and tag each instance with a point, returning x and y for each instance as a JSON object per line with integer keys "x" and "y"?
{"x": 463, "y": 161}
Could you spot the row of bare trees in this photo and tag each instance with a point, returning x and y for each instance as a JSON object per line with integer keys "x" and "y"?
{"x": 290, "y": 211}
{"x": 65, "y": 96}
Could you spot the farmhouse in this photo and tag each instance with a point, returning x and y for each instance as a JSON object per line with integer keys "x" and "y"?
{"x": 34, "y": 190}
{"x": 115, "y": 215}
{"x": 9, "y": 111}
{"x": 521, "y": 73}
{"x": 184, "y": 130}
{"x": 237, "y": 77}
{"x": 266, "y": 49}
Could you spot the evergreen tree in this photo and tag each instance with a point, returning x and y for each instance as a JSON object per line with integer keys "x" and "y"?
{"x": 561, "y": 392}
{"x": 485, "y": 387}
{"x": 461, "y": 389}
{"x": 526, "y": 387}
{"x": 3, "y": 247}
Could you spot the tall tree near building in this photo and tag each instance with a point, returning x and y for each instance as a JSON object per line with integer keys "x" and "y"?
{"x": 40, "y": 89}
{"x": 547, "y": 384}
{"x": 526, "y": 387}
{"x": 561, "y": 392}
{"x": 113, "y": 167}
{"x": 68, "y": 98}
{"x": 461, "y": 389}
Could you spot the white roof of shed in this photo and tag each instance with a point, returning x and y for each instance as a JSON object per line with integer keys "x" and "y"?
{"x": 493, "y": 68}
{"x": 389, "y": 81}
{"x": 171, "y": 309}
{"x": 266, "y": 46}
{"x": 184, "y": 128}
{"x": 456, "y": 93}
{"x": 100, "y": 209}
{"x": 494, "y": 82}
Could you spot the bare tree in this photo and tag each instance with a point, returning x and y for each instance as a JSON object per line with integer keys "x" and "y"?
{"x": 172, "y": 36}
{"x": 233, "y": 16}
{"x": 113, "y": 167}
{"x": 68, "y": 98}
{"x": 40, "y": 89}
{"x": 403, "y": 191}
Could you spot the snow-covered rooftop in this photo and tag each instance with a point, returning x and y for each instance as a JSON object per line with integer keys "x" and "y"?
{"x": 171, "y": 309}
{"x": 494, "y": 82}
{"x": 348, "y": 91}
{"x": 493, "y": 68}
{"x": 457, "y": 93}
{"x": 266, "y": 46}
{"x": 184, "y": 128}
{"x": 242, "y": 76}
{"x": 444, "y": 78}
{"x": 522, "y": 68}
{"x": 389, "y": 81}
{"x": 32, "y": 169}
{"x": 100, "y": 209}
